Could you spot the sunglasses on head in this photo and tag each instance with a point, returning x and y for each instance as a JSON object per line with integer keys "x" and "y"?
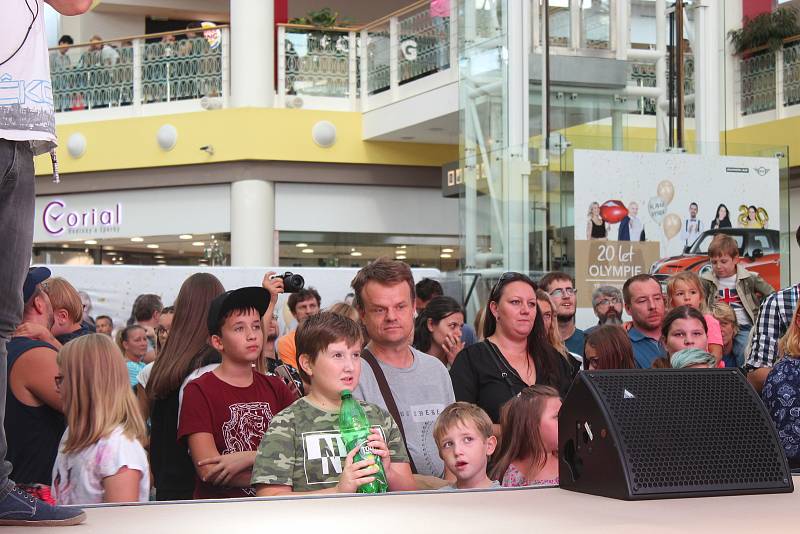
{"x": 510, "y": 276}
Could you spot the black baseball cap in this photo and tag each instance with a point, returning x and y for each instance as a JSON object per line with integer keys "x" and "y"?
{"x": 36, "y": 275}
{"x": 237, "y": 299}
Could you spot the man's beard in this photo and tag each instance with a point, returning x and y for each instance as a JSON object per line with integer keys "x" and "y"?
{"x": 611, "y": 317}
{"x": 563, "y": 319}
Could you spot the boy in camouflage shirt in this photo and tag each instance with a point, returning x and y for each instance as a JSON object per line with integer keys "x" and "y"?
{"x": 303, "y": 451}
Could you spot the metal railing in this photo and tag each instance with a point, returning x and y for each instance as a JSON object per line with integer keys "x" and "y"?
{"x": 770, "y": 81}
{"x": 644, "y": 75}
{"x": 148, "y": 69}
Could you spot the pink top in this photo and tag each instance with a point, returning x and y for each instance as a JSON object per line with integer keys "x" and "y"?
{"x": 514, "y": 478}
{"x": 714, "y": 332}
{"x": 440, "y": 8}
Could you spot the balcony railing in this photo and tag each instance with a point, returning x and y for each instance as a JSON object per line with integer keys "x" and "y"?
{"x": 167, "y": 67}
{"x": 344, "y": 67}
{"x": 770, "y": 81}
{"x": 644, "y": 75}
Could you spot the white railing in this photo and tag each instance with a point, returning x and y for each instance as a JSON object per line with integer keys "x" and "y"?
{"x": 140, "y": 71}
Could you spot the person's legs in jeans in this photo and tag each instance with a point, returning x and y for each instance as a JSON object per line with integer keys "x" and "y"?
{"x": 16, "y": 238}
{"x": 740, "y": 343}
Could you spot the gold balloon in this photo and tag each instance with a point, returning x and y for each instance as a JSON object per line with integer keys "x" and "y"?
{"x": 671, "y": 225}
{"x": 666, "y": 191}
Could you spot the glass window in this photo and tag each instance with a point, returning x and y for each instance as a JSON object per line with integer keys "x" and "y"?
{"x": 595, "y": 24}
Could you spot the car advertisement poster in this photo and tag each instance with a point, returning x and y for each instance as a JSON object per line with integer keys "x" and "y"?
{"x": 635, "y": 210}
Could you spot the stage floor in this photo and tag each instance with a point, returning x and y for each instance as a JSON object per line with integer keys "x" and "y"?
{"x": 520, "y": 510}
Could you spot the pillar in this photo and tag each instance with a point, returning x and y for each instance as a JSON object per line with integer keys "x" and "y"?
{"x": 253, "y": 223}
{"x": 252, "y": 53}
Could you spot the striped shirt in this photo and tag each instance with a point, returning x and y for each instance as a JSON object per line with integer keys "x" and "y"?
{"x": 774, "y": 318}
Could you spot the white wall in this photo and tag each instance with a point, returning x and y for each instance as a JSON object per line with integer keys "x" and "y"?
{"x": 364, "y": 209}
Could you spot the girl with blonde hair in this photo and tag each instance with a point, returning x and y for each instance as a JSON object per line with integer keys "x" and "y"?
{"x": 101, "y": 457}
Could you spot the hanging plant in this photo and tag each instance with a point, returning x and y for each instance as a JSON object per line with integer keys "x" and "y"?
{"x": 766, "y": 29}
{"x": 322, "y": 18}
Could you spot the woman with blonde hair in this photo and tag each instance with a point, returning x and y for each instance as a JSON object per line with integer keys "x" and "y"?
{"x": 781, "y": 391}
{"x": 596, "y": 227}
{"x": 101, "y": 457}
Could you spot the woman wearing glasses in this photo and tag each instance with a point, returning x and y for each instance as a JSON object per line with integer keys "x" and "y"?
{"x": 515, "y": 353}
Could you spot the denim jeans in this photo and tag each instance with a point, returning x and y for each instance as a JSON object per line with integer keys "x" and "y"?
{"x": 740, "y": 343}
{"x": 16, "y": 238}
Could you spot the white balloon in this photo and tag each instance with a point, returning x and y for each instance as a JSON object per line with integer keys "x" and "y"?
{"x": 657, "y": 208}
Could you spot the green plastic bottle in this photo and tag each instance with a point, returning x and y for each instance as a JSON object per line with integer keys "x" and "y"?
{"x": 354, "y": 426}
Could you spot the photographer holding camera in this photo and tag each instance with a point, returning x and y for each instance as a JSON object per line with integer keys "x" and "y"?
{"x": 303, "y": 303}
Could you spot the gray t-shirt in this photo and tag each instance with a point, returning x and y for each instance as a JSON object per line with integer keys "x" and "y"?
{"x": 452, "y": 487}
{"x": 421, "y": 392}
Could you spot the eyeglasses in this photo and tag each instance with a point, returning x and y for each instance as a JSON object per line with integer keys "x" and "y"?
{"x": 560, "y": 292}
{"x": 59, "y": 380}
{"x": 609, "y": 302}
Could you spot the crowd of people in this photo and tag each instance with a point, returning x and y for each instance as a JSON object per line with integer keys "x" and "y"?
{"x": 204, "y": 399}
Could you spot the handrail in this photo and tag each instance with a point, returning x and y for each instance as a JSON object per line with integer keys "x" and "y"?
{"x": 144, "y": 36}
{"x": 761, "y": 48}
{"x": 402, "y": 11}
{"x": 344, "y": 29}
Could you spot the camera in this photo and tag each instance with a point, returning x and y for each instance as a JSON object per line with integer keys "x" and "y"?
{"x": 292, "y": 283}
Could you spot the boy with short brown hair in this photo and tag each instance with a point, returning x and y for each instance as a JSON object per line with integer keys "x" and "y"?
{"x": 463, "y": 434}
{"x": 728, "y": 281}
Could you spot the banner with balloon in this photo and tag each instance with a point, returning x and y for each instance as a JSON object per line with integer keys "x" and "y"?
{"x": 656, "y": 204}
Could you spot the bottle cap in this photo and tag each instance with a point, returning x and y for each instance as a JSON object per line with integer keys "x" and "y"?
{"x": 346, "y": 393}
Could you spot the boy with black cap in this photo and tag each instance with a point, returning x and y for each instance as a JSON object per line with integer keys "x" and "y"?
{"x": 225, "y": 412}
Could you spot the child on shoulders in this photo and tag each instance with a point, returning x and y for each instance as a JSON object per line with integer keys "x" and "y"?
{"x": 303, "y": 450}
{"x": 463, "y": 434}
{"x": 101, "y": 457}
{"x": 528, "y": 454}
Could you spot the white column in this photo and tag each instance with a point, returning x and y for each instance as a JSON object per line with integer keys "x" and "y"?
{"x": 662, "y": 124}
{"x": 252, "y": 223}
{"x": 252, "y": 53}
{"x": 707, "y": 76}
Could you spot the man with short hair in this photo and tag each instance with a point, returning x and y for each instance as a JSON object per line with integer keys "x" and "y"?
{"x": 104, "y": 325}
{"x": 302, "y": 304}
{"x": 418, "y": 383}
{"x": 644, "y": 302}
{"x": 692, "y": 226}
{"x": 607, "y": 306}
{"x": 33, "y": 423}
{"x": 773, "y": 320}
{"x": 561, "y": 288}
{"x": 146, "y": 312}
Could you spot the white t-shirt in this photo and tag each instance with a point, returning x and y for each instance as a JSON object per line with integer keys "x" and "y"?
{"x": 729, "y": 294}
{"x": 26, "y": 95}
{"x": 144, "y": 375}
{"x": 78, "y": 476}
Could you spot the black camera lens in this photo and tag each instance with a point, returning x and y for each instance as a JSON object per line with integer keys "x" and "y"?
{"x": 292, "y": 283}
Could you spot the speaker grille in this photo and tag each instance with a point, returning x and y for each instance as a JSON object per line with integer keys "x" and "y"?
{"x": 686, "y": 435}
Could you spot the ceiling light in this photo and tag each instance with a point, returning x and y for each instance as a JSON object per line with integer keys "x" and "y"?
{"x": 161, "y": 262}
{"x": 112, "y": 253}
{"x": 307, "y": 251}
{"x": 109, "y": 248}
{"x": 137, "y": 239}
{"x": 356, "y": 253}
{"x": 90, "y": 242}
{"x": 152, "y": 245}
{"x": 401, "y": 247}
{"x": 185, "y": 236}
{"x": 445, "y": 256}
{"x": 159, "y": 256}
{"x": 401, "y": 257}
{"x": 198, "y": 244}
{"x": 448, "y": 250}
{"x": 65, "y": 245}
{"x": 302, "y": 245}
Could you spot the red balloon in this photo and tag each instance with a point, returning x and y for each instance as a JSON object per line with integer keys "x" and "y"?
{"x": 613, "y": 211}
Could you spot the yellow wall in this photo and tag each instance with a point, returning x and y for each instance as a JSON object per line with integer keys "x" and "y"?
{"x": 235, "y": 134}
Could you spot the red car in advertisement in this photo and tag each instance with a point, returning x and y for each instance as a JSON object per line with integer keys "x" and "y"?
{"x": 759, "y": 251}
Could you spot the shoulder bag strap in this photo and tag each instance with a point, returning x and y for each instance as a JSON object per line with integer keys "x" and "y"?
{"x": 388, "y": 398}
{"x": 504, "y": 370}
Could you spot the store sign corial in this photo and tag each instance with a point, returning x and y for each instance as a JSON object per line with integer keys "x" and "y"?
{"x": 57, "y": 219}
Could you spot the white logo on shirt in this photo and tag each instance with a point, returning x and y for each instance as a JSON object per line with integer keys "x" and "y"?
{"x": 246, "y": 427}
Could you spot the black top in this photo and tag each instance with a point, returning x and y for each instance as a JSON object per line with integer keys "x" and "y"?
{"x": 724, "y": 223}
{"x": 477, "y": 378}
{"x": 598, "y": 230}
{"x": 33, "y": 432}
{"x": 84, "y": 329}
{"x": 173, "y": 470}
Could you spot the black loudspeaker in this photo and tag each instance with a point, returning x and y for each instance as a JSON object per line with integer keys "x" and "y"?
{"x": 666, "y": 433}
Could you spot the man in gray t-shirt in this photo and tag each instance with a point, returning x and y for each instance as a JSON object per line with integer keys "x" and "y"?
{"x": 420, "y": 384}
{"x": 421, "y": 392}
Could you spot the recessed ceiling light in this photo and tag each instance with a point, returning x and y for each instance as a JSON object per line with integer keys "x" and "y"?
{"x": 445, "y": 256}
{"x": 152, "y": 245}
{"x": 161, "y": 262}
{"x": 185, "y": 236}
{"x": 307, "y": 251}
{"x": 109, "y": 248}
{"x": 401, "y": 247}
{"x": 302, "y": 245}
{"x": 356, "y": 253}
{"x": 159, "y": 256}
{"x": 112, "y": 253}
{"x": 90, "y": 242}
{"x": 64, "y": 246}
{"x": 198, "y": 244}
{"x": 137, "y": 239}
{"x": 448, "y": 250}
{"x": 401, "y": 257}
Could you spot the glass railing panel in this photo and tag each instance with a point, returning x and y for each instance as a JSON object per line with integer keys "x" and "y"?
{"x": 757, "y": 73}
{"x": 317, "y": 63}
{"x": 424, "y": 42}
{"x": 181, "y": 68}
